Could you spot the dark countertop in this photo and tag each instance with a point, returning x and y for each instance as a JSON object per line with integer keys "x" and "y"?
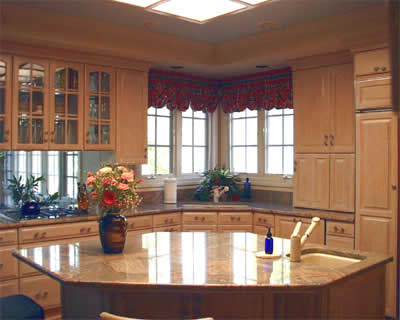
{"x": 159, "y": 208}
{"x": 163, "y": 259}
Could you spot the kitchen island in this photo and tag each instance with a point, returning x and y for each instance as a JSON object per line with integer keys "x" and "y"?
{"x": 176, "y": 275}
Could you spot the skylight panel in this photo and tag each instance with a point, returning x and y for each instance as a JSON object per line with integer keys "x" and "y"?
{"x": 199, "y": 10}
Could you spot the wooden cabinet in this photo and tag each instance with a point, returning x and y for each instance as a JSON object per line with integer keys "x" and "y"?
{"x": 235, "y": 222}
{"x": 66, "y": 106}
{"x": 44, "y": 290}
{"x": 324, "y": 181}
{"x": 100, "y": 108}
{"x": 8, "y": 264}
{"x": 131, "y": 117}
{"x": 324, "y": 117}
{"x": 8, "y": 237}
{"x": 175, "y": 228}
{"x": 9, "y": 288}
{"x": 377, "y": 192}
{"x": 284, "y": 226}
{"x": 339, "y": 242}
{"x": 167, "y": 220}
{"x": 342, "y": 179}
{"x": 372, "y": 62}
{"x": 30, "y": 129}
{"x": 5, "y": 102}
{"x": 340, "y": 234}
{"x": 261, "y": 222}
{"x": 199, "y": 221}
{"x": 374, "y": 93}
{"x": 138, "y": 223}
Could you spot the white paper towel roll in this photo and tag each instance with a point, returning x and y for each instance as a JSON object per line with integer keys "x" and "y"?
{"x": 170, "y": 190}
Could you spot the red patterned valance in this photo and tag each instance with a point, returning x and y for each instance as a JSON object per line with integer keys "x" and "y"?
{"x": 266, "y": 90}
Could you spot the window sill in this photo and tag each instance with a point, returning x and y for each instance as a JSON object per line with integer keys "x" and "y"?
{"x": 157, "y": 183}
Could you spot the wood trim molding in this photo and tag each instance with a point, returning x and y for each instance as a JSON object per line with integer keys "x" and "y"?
{"x": 342, "y": 57}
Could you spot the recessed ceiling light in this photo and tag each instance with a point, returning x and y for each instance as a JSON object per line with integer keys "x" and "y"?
{"x": 139, "y": 3}
{"x": 198, "y": 10}
{"x": 254, "y": 1}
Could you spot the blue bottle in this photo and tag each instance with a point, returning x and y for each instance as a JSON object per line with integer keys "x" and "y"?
{"x": 269, "y": 242}
{"x": 247, "y": 189}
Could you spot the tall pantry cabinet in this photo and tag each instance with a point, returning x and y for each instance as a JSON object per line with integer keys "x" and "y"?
{"x": 377, "y": 164}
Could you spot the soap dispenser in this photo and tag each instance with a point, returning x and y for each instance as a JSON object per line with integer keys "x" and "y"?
{"x": 269, "y": 242}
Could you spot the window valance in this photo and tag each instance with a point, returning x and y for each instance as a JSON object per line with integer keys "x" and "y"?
{"x": 266, "y": 90}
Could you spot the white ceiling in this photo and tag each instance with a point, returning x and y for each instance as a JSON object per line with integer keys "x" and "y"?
{"x": 230, "y": 27}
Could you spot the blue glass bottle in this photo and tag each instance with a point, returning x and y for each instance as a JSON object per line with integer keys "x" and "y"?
{"x": 269, "y": 242}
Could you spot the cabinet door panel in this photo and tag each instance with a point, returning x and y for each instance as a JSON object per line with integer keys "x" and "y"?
{"x": 302, "y": 196}
{"x": 284, "y": 227}
{"x": 377, "y": 164}
{"x": 312, "y": 124}
{"x": 320, "y": 182}
{"x": 8, "y": 264}
{"x": 372, "y": 94}
{"x": 131, "y": 117}
{"x": 342, "y": 182}
{"x": 372, "y": 62}
{"x": 5, "y": 102}
{"x": 339, "y": 242}
{"x": 44, "y": 290}
{"x": 8, "y": 288}
{"x": 341, "y": 137}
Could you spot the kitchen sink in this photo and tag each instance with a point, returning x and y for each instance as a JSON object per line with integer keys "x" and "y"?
{"x": 216, "y": 205}
{"x": 328, "y": 260}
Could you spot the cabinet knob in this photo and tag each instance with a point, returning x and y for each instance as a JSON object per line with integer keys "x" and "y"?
{"x": 203, "y": 219}
{"x": 45, "y": 294}
{"x": 88, "y": 229}
{"x": 383, "y": 68}
{"x": 196, "y": 218}
{"x": 376, "y": 69}
{"x": 36, "y": 235}
{"x": 238, "y": 219}
{"x": 82, "y": 230}
{"x": 1, "y": 238}
{"x": 342, "y": 230}
{"x": 335, "y": 228}
{"x": 166, "y": 221}
{"x": 295, "y": 166}
{"x": 326, "y": 139}
{"x": 259, "y": 219}
{"x": 43, "y": 234}
{"x": 1, "y": 266}
{"x": 37, "y": 295}
{"x": 394, "y": 187}
{"x": 332, "y": 139}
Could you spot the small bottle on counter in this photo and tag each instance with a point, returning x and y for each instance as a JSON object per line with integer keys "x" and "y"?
{"x": 269, "y": 242}
{"x": 83, "y": 198}
{"x": 247, "y": 189}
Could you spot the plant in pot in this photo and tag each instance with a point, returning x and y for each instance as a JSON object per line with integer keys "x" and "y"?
{"x": 114, "y": 189}
{"x": 27, "y": 197}
{"x": 220, "y": 177}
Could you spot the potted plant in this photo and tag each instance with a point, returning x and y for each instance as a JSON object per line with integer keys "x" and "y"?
{"x": 114, "y": 189}
{"x": 220, "y": 177}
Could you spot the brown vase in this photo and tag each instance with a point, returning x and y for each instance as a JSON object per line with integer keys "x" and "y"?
{"x": 113, "y": 230}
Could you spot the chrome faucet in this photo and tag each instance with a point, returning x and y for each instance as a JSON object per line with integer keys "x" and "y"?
{"x": 296, "y": 243}
{"x": 218, "y": 192}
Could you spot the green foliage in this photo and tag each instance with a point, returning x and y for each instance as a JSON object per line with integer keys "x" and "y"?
{"x": 21, "y": 192}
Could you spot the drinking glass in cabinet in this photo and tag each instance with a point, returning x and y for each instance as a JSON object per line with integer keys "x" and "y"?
{"x": 93, "y": 107}
{"x": 60, "y": 79}
{"x": 105, "y": 82}
{"x": 93, "y": 134}
{"x": 2, "y": 100}
{"x": 73, "y": 81}
{"x": 73, "y": 104}
{"x": 37, "y": 102}
{"x": 24, "y": 75}
{"x": 37, "y": 76}
{"x": 3, "y": 70}
{"x": 37, "y": 131}
{"x": 24, "y": 98}
{"x": 72, "y": 132}
{"x": 59, "y": 127}
{"x": 105, "y": 108}
{"x": 23, "y": 130}
{"x": 59, "y": 105}
{"x": 105, "y": 134}
{"x": 94, "y": 81}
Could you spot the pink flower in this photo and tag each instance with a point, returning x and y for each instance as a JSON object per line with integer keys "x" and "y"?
{"x": 90, "y": 180}
{"x": 90, "y": 174}
{"x": 109, "y": 198}
{"x": 114, "y": 182}
{"x": 93, "y": 195}
{"x": 139, "y": 181}
{"x": 123, "y": 186}
{"x": 128, "y": 176}
{"x": 107, "y": 181}
{"x": 123, "y": 169}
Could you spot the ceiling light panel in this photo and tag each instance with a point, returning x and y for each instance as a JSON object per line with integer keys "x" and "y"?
{"x": 254, "y": 1}
{"x": 199, "y": 10}
{"x": 139, "y": 3}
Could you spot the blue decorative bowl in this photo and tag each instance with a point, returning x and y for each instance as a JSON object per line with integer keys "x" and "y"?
{"x": 30, "y": 208}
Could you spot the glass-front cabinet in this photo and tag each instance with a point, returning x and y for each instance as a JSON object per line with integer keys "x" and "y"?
{"x": 100, "y": 108}
{"x": 5, "y": 102}
{"x": 30, "y": 104}
{"x": 66, "y": 106}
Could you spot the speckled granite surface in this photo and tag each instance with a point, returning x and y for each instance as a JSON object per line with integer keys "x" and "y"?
{"x": 158, "y": 208}
{"x": 191, "y": 259}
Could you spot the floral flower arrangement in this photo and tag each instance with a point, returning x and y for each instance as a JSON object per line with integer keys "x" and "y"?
{"x": 114, "y": 189}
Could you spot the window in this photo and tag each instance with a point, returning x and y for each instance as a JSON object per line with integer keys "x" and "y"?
{"x": 159, "y": 135}
{"x": 279, "y": 141}
{"x": 194, "y": 141}
{"x": 53, "y": 174}
{"x": 72, "y": 174}
{"x": 244, "y": 137}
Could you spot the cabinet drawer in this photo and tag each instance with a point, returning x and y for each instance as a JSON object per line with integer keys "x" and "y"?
{"x": 262, "y": 230}
{"x": 235, "y": 218}
{"x": 61, "y": 231}
{"x": 168, "y": 229}
{"x": 8, "y": 237}
{"x": 267, "y": 220}
{"x": 204, "y": 228}
{"x": 200, "y": 218}
{"x": 8, "y": 288}
{"x": 372, "y": 94}
{"x": 143, "y": 222}
{"x": 42, "y": 289}
{"x": 8, "y": 264}
{"x": 235, "y": 228}
{"x": 372, "y": 62}
{"x": 139, "y": 232}
{"x": 340, "y": 229}
{"x": 169, "y": 219}
{"x": 339, "y": 242}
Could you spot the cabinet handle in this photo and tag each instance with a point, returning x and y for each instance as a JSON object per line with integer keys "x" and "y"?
{"x": 232, "y": 218}
{"x": 166, "y": 221}
{"x": 1, "y": 238}
{"x": 376, "y": 69}
{"x": 383, "y": 68}
{"x": 88, "y": 230}
{"x": 295, "y": 166}
{"x": 203, "y": 219}
{"x": 335, "y": 228}
{"x": 265, "y": 220}
{"x": 37, "y": 295}
{"x": 238, "y": 219}
{"x": 342, "y": 230}
{"x": 82, "y": 230}
{"x": 332, "y": 139}
{"x": 36, "y": 235}
{"x": 44, "y": 234}
{"x": 1, "y": 266}
{"x": 326, "y": 139}
{"x": 394, "y": 187}
{"x": 132, "y": 225}
{"x": 45, "y": 294}
{"x": 196, "y": 218}
{"x": 171, "y": 220}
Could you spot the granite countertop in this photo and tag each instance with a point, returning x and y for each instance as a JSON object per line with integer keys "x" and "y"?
{"x": 158, "y": 208}
{"x": 192, "y": 260}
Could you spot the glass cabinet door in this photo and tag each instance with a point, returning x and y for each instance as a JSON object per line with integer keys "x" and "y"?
{"x": 100, "y": 108}
{"x": 5, "y": 103}
{"x": 31, "y": 82}
{"x": 66, "y": 121}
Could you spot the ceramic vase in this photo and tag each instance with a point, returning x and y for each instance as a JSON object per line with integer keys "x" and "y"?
{"x": 113, "y": 231}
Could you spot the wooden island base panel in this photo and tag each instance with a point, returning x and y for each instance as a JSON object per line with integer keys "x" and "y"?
{"x": 185, "y": 275}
